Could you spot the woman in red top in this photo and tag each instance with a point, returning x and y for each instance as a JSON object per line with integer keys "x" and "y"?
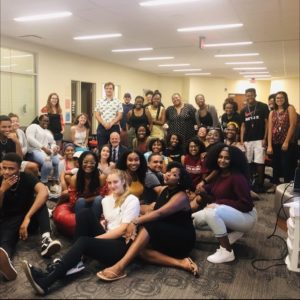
{"x": 281, "y": 138}
{"x": 56, "y": 121}
{"x": 232, "y": 206}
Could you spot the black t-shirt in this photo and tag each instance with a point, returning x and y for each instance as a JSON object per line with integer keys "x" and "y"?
{"x": 18, "y": 202}
{"x": 254, "y": 118}
{"x": 6, "y": 147}
{"x": 174, "y": 154}
{"x": 234, "y": 118}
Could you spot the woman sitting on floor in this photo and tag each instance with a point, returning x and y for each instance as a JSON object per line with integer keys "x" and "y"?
{"x": 232, "y": 207}
{"x": 135, "y": 166}
{"x": 105, "y": 242}
{"x": 85, "y": 186}
{"x": 166, "y": 235}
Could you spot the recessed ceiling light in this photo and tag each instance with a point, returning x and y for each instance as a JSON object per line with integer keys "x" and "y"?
{"x": 196, "y": 74}
{"x": 237, "y": 55}
{"x": 174, "y": 65}
{"x": 253, "y": 72}
{"x": 156, "y": 58}
{"x": 244, "y": 63}
{"x": 209, "y": 27}
{"x": 98, "y": 36}
{"x": 44, "y": 17}
{"x": 227, "y": 44}
{"x": 250, "y": 68}
{"x": 165, "y": 2}
{"x": 132, "y": 50}
{"x": 187, "y": 70}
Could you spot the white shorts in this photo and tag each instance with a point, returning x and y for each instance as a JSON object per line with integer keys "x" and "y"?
{"x": 255, "y": 152}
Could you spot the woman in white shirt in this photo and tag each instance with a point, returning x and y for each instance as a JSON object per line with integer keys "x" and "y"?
{"x": 105, "y": 242}
{"x": 80, "y": 132}
{"x": 43, "y": 147}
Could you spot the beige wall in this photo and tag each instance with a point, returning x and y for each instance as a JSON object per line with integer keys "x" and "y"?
{"x": 56, "y": 70}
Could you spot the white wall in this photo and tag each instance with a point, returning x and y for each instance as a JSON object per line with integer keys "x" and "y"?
{"x": 56, "y": 69}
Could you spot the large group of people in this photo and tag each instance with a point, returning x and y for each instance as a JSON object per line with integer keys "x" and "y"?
{"x": 158, "y": 174}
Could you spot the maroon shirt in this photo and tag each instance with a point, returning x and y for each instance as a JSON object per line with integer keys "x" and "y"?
{"x": 233, "y": 190}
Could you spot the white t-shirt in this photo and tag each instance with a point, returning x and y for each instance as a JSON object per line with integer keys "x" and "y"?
{"x": 115, "y": 216}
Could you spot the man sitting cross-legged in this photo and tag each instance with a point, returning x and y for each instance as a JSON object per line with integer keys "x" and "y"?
{"x": 22, "y": 207}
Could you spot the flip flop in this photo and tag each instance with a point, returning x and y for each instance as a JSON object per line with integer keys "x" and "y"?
{"x": 193, "y": 267}
{"x": 101, "y": 276}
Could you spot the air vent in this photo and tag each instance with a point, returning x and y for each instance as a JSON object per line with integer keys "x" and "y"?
{"x": 30, "y": 36}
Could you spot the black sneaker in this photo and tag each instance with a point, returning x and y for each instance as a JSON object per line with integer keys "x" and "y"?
{"x": 76, "y": 269}
{"x": 49, "y": 247}
{"x": 35, "y": 277}
{"x": 6, "y": 267}
{"x": 52, "y": 266}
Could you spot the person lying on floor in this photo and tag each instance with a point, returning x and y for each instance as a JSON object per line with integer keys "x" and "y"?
{"x": 232, "y": 207}
{"x": 22, "y": 208}
{"x": 167, "y": 234}
{"x": 105, "y": 242}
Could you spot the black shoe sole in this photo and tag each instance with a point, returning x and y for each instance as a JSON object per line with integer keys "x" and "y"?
{"x": 28, "y": 274}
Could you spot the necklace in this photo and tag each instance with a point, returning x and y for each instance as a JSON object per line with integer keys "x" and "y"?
{"x": 4, "y": 142}
{"x": 252, "y": 115}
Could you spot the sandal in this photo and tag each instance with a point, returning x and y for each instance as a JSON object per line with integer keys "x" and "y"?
{"x": 115, "y": 277}
{"x": 193, "y": 268}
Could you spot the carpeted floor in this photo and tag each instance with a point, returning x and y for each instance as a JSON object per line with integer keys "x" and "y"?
{"x": 217, "y": 281}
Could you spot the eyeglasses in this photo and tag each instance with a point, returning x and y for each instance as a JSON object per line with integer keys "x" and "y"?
{"x": 91, "y": 163}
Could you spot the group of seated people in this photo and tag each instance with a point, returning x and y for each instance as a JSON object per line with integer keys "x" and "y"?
{"x": 117, "y": 203}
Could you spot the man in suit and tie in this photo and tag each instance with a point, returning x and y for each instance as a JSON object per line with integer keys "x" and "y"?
{"x": 117, "y": 149}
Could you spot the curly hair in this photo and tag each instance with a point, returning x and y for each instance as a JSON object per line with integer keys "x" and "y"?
{"x": 154, "y": 140}
{"x": 180, "y": 140}
{"x": 95, "y": 182}
{"x": 141, "y": 171}
{"x": 199, "y": 143}
{"x": 238, "y": 160}
{"x": 185, "y": 181}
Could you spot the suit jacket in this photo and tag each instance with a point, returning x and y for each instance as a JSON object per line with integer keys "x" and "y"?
{"x": 122, "y": 149}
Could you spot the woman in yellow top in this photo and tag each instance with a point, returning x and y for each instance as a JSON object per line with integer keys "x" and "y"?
{"x": 158, "y": 115}
{"x": 135, "y": 165}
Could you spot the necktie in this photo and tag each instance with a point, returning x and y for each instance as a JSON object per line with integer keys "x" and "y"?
{"x": 114, "y": 155}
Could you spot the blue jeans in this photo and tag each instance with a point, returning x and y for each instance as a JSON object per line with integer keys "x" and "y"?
{"x": 47, "y": 163}
{"x": 94, "y": 205}
{"x": 224, "y": 217}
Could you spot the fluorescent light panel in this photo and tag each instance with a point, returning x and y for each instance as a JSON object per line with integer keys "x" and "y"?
{"x": 165, "y": 2}
{"x": 132, "y": 50}
{"x": 17, "y": 56}
{"x": 187, "y": 70}
{"x": 196, "y": 74}
{"x": 227, "y": 44}
{"x": 244, "y": 63}
{"x": 259, "y": 72}
{"x": 250, "y": 68}
{"x": 209, "y": 27}
{"x": 98, "y": 36}
{"x": 174, "y": 65}
{"x": 44, "y": 17}
{"x": 156, "y": 58}
{"x": 256, "y": 75}
{"x": 237, "y": 55}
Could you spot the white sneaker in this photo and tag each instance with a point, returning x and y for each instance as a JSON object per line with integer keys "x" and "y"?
{"x": 49, "y": 247}
{"x": 221, "y": 256}
{"x": 234, "y": 236}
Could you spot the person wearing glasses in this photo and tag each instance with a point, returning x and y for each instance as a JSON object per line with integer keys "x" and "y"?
{"x": 86, "y": 184}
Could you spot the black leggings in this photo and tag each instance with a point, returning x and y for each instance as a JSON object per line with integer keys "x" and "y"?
{"x": 107, "y": 251}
